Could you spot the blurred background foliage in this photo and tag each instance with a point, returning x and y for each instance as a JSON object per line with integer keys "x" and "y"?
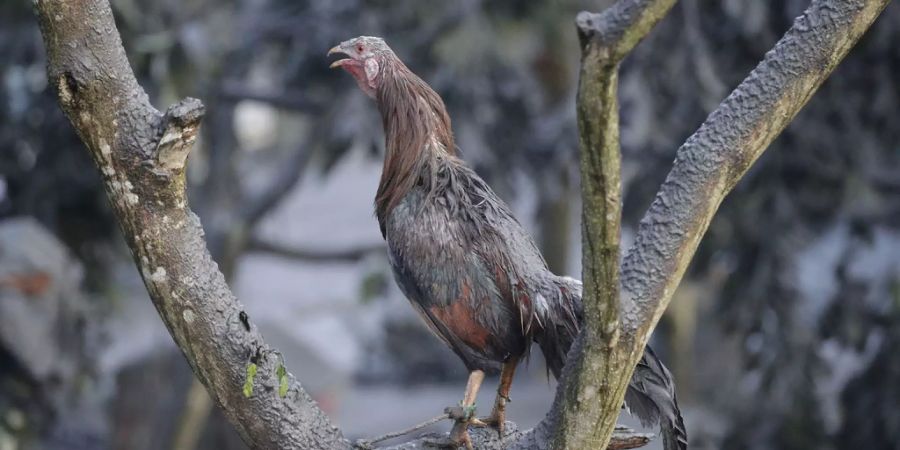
{"x": 781, "y": 336}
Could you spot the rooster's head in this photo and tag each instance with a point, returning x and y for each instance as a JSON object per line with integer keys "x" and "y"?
{"x": 366, "y": 57}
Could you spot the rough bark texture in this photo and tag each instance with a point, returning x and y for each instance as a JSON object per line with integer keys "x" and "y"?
{"x": 513, "y": 439}
{"x": 594, "y": 390}
{"x": 707, "y": 167}
{"x": 715, "y": 158}
{"x": 141, "y": 154}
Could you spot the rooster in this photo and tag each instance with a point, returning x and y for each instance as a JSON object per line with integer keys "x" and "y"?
{"x": 467, "y": 266}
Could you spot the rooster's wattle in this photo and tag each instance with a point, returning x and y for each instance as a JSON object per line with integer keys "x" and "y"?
{"x": 464, "y": 262}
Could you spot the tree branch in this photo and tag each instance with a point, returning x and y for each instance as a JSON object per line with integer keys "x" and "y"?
{"x": 589, "y": 412}
{"x": 259, "y": 245}
{"x": 286, "y": 177}
{"x": 708, "y": 166}
{"x": 715, "y": 158}
{"x": 487, "y": 439}
{"x": 141, "y": 154}
{"x": 280, "y": 98}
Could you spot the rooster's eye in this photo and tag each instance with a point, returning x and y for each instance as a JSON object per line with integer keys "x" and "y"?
{"x": 359, "y": 48}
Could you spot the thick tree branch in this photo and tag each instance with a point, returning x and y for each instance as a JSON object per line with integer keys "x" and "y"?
{"x": 715, "y": 158}
{"x": 487, "y": 439}
{"x": 708, "y": 166}
{"x": 593, "y": 392}
{"x": 141, "y": 154}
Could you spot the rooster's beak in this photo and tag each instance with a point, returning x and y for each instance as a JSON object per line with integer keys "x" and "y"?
{"x": 340, "y": 62}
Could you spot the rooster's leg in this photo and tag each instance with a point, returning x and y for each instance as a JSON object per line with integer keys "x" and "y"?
{"x": 472, "y": 387}
{"x": 498, "y": 414}
{"x": 463, "y": 414}
{"x": 460, "y": 432}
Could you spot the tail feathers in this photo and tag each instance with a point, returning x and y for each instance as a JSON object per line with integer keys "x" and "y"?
{"x": 651, "y": 393}
{"x": 651, "y": 398}
{"x": 558, "y": 311}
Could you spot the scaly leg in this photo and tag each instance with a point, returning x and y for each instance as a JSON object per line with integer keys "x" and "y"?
{"x": 462, "y": 414}
{"x": 472, "y": 387}
{"x": 498, "y": 414}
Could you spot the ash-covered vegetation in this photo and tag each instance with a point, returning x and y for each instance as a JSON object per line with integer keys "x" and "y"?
{"x": 781, "y": 335}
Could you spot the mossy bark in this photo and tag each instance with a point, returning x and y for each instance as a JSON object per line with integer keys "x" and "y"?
{"x": 599, "y": 376}
{"x": 621, "y": 313}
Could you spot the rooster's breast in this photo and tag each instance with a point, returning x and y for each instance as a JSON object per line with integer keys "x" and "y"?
{"x": 437, "y": 256}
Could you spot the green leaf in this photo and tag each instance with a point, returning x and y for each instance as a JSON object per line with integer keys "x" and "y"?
{"x": 248, "y": 385}
{"x": 281, "y": 372}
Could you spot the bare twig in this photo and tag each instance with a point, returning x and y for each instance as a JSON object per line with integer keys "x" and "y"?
{"x": 707, "y": 167}
{"x": 194, "y": 416}
{"x": 700, "y": 53}
{"x": 259, "y": 245}
{"x": 285, "y": 178}
{"x": 367, "y": 443}
{"x": 290, "y": 100}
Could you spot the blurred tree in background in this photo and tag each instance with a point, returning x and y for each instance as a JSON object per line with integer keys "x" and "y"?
{"x": 783, "y": 330}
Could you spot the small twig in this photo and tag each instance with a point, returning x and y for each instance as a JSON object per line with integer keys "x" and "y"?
{"x": 706, "y": 72}
{"x": 280, "y": 98}
{"x": 286, "y": 177}
{"x": 367, "y": 443}
{"x": 260, "y": 245}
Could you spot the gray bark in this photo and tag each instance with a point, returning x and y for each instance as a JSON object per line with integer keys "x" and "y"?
{"x": 141, "y": 154}
{"x": 593, "y": 390}
{"x": 707, "y": 167}
{"x": 714, "y": 158}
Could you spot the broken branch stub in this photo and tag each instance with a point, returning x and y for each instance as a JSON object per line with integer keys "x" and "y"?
{"x": 180, "y": 126}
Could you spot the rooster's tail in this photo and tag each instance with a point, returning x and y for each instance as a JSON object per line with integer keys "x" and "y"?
{"x": 651, "y": 392}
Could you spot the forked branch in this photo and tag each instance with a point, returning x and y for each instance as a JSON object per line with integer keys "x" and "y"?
{"x": 707, "y": 167}
{"x": 592, "y": 392}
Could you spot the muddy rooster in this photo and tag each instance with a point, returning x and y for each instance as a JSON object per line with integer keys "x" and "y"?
{"x": 462, "y": 259}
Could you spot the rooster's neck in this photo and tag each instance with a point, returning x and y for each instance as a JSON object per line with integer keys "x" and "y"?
{"x": 417, "y": 132}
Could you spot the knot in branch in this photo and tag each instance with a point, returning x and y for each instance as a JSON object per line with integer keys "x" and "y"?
{"x": 180, "y": 125}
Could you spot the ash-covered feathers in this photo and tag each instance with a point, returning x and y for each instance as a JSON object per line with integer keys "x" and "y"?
{"x": 466, "y": 263}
